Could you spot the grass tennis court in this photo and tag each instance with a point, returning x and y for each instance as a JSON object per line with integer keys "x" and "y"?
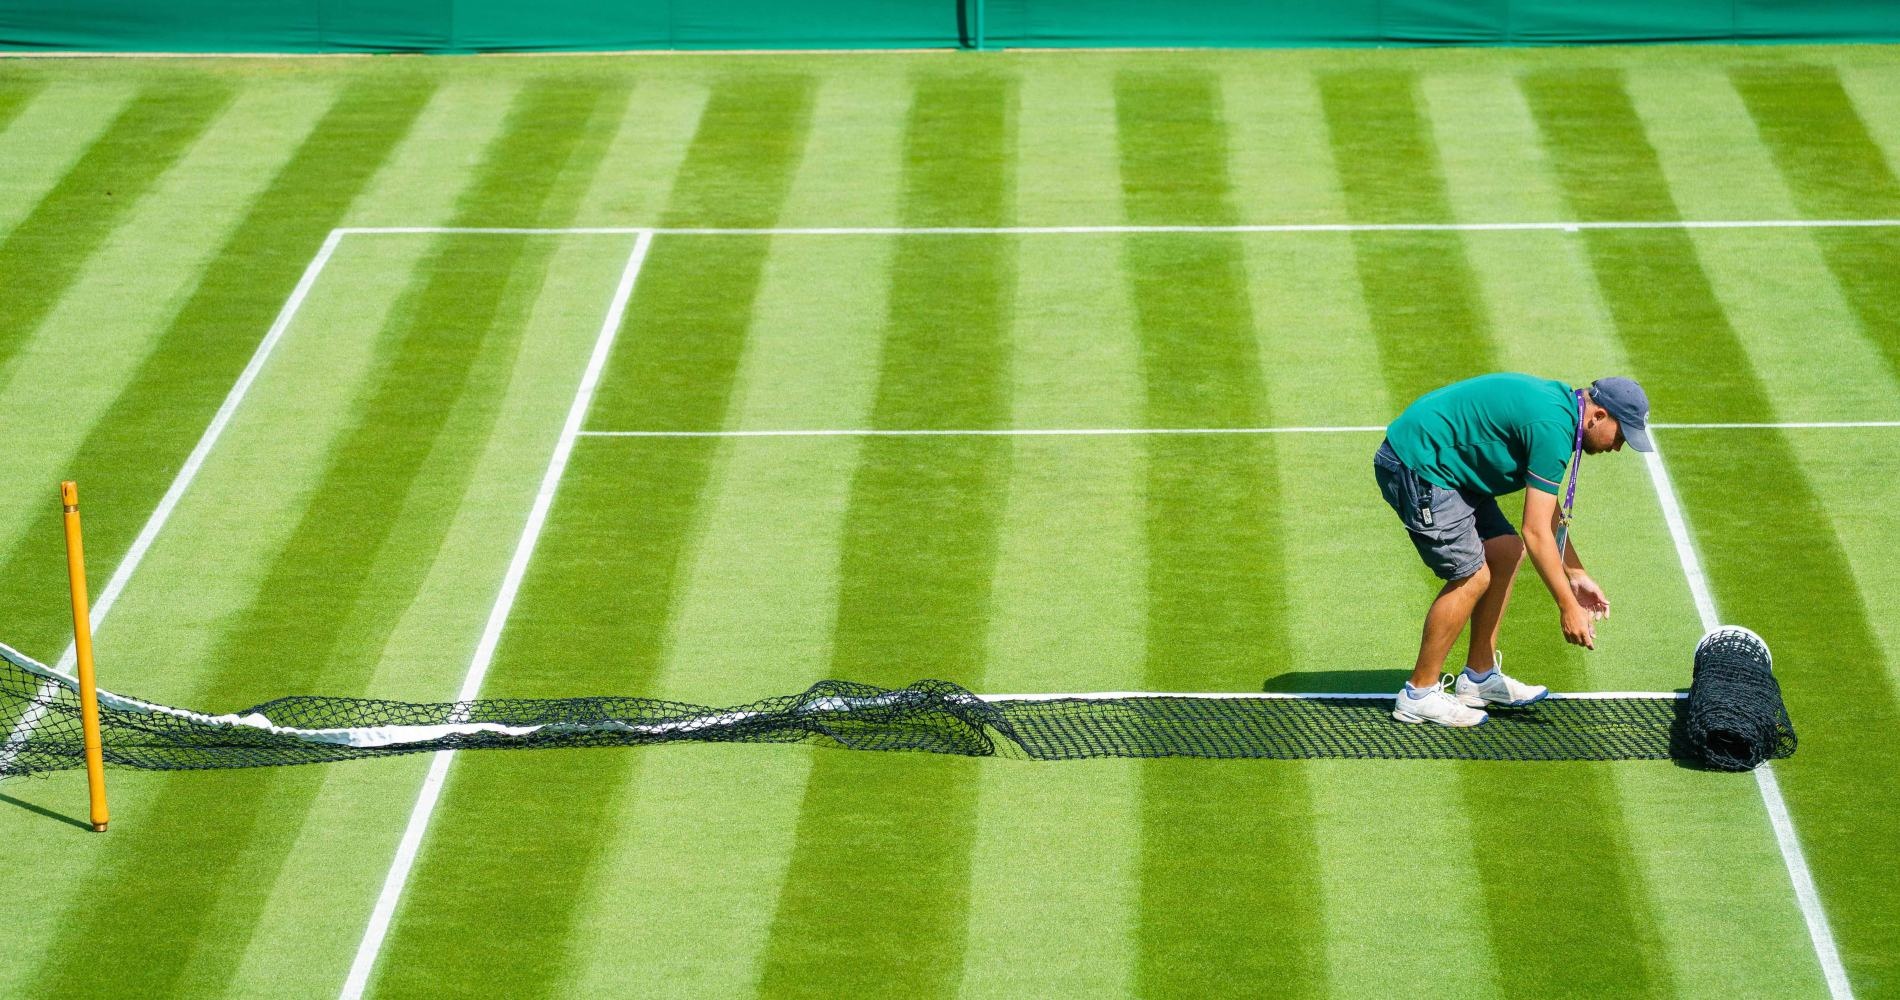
{"x": 352, "y": 525}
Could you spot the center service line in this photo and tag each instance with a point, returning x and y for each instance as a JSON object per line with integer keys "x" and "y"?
{"x": 405, "y": 859}
{"x": 1785, "y": 838}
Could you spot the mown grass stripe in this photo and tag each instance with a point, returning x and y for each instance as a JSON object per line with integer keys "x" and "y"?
{"x": 1810, "y": 125}
{"x": 1389, "y": 172}
{"x": 127, "y": 459}
{"x": 1682, "y": 345}
{"x": 15, "y": 95}
{"x": 364, "y": 542}
{"x": 752, "y": 129}
{"x": 615, "y": 545}
{"x": 47, "y": 136}
{"x": 918, "y": 557}
{"x": 645, "y": 153}
{"x": 1068, "y": 605}
{"x": 42, "y": 255}
{"x": 1229, "y": 895}
{"x": 1281, "y": 168}
{"x": 1835, "y": 170}
{"x": 737, "y": 172}
{"x": 1484, "y": 126}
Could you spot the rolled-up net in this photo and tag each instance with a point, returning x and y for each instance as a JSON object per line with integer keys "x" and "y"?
{"x": 39, "y": 712}
{"x": 1734, "y": 718}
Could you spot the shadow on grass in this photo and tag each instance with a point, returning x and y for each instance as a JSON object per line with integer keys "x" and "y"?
{"x": 1338, "y": 681}
{"x": 48, "y": 813}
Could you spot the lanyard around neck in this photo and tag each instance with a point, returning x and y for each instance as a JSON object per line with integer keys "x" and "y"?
{"x": 1570, "y": 492}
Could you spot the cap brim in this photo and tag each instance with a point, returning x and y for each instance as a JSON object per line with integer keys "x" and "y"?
{"x": 1638, "y": 438}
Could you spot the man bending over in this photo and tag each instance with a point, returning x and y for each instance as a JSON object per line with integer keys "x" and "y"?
{"x": 1442, "y": 466}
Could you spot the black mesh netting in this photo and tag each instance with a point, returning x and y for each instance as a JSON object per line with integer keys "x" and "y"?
{"x": 1733, "y": 718}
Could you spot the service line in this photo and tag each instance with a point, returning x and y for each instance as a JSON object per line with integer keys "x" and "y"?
{"x": 791, "y": 432}
{"x": 1317, "y": 227}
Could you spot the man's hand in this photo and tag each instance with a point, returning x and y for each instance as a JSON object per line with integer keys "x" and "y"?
{"x": 1578, "y": 629}
{"x": 1540, "y": 541}
{"x": 1589, "y": 595}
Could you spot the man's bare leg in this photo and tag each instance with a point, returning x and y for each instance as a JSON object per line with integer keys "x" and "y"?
{"x": 1450, "y": 611}
{"x": 1502, "y": 556}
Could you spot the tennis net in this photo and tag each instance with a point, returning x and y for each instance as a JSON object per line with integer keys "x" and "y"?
{"x": 1732, "y": 718}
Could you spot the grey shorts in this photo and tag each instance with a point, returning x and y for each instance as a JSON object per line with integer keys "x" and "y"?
{"x": 1448, "y": 527}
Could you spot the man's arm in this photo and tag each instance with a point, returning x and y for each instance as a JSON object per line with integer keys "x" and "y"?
{"x": 1588, "y": 593}
{"x": 1540, "y": 540}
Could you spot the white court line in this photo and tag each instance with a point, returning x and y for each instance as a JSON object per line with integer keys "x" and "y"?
{"x": 988, "y": 432}
{"x": 129, "y": 564}
{"x": 1785, "y": 838}
{"x": 1322, "y": 227}
{"x": 1303, "y": 695}
{"x": 1129, "y": 431}
{"x": 215, "y": 430}
{"x": 1788, "y": 425}
{"x": 412, "y": 835}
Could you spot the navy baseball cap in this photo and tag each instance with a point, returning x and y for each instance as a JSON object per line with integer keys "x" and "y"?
{"x": 1627, "y": 402}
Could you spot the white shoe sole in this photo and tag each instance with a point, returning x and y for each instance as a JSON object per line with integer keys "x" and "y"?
{"x": 1474, "y": 701}
{"x": 1404, "y": 716}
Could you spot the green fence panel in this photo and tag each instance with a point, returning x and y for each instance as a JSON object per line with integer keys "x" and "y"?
{"x": 1437, "y": 22}
{"x": 1624, "y": 20}
{"x": 831, "y": 24}
{"x": 1808, "y": 21}
{"x": 1075, "y": 23}
{"x": 553, "y": 25}
{"x": 120, "y": 26}
{"x": 359, "y": 25}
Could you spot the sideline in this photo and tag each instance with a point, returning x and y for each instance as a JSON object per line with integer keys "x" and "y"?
{"x": 1785, "y": 837}
{"x": 399, "y": 868}
{"x": 129, "y": 563}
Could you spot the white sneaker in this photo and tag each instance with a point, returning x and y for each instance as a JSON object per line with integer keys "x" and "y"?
{"x": 1498, "y": 689}
{"x": 1437, "y": 706}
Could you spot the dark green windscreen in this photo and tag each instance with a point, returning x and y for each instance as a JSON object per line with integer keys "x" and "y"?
{"x": 607, "y": 25}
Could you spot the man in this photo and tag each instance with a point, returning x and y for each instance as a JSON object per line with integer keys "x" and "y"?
{"x": 1443, "y": 464}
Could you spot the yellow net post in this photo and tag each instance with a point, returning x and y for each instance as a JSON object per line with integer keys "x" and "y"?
{"x": 82, "y": 647}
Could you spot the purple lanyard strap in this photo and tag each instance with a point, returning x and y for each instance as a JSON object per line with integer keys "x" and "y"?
{"x": 1570, "y": 492}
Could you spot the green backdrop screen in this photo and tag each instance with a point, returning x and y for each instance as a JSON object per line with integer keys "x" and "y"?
{"x": 580, "y": 25}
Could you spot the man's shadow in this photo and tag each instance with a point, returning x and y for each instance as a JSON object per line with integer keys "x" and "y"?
{"x": 43, "y": 811}
{"x": 1337, "y": 682}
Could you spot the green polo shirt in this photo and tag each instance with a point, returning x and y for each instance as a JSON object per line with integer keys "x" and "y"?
{"x": 1492, "y": 434}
